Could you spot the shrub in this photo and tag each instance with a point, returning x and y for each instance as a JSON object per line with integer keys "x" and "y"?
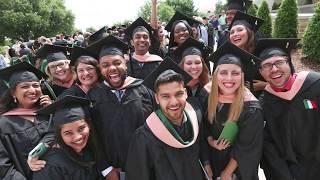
{"x": 311, "y": 37}
{"x": 287, "y": 19}
{"x": 264, "y": 13}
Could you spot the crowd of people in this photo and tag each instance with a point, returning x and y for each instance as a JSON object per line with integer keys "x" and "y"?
{"x": 130, "y": 103}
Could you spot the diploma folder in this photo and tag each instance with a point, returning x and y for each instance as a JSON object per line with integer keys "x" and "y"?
{"x": 229, "y": 132}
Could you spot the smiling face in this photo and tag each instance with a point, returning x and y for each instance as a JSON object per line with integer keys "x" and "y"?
{"x": 87, "y": 74}
{"x": 141, "y": 42}
{"x": 27, "y": 94}
{"x": 60, "y": 70}
{"x": 192, "y": 64}
{"x": 114, "y": 69}
{"x": 75, "y": 134}
{"x": 229, "y": 78}
{"x": 239, "y": 36}
{"x": 181, "y": 33}
{"x": 172, "y": 98}
{"x": 279, "y": 74}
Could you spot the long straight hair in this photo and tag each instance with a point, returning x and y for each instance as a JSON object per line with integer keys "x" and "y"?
{"x": 236, "y": 106}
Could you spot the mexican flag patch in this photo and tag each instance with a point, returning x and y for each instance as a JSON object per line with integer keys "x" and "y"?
{"x": 310, "y": 104}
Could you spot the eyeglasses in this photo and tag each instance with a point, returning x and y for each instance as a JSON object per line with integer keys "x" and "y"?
{"x": 60, "y": 65}
{"x": 269, "y": 66}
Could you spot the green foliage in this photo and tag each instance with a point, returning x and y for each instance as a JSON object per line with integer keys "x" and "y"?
{"x": 29, "y": 19}
{"x": 167, "y": 8}
{"x": 287, "y": 20}
{"x": 165, "y": 12}
{"x": 253, "y": 10}
{"x": 184, "y": 6}
{"x": 219, "y": 7}
{"x": 264, "y": 13}
{"x": 311, "y": 38}
{"x": 145, "y": 11}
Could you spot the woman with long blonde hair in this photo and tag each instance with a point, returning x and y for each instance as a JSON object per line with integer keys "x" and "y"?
{"x": 234, "y": 126}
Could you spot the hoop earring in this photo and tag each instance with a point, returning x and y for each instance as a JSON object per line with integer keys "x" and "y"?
{"x": 14, "y": 99}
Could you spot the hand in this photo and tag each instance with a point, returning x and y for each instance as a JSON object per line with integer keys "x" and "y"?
{"x": 35, "y": 164}
{"x": 209, "y": 171}
{"x": 225, "y": 175}
{"x": 45, "y": 100}
{"x": 259, "y": 85}
{"x": 113, "y": 175}
{"x": 220, "y": 145}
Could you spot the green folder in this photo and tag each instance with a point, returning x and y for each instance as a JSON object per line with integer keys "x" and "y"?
{"x": 229, "y": 132}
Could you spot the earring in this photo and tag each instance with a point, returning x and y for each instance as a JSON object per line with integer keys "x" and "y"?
{"x": 14, "y": 99}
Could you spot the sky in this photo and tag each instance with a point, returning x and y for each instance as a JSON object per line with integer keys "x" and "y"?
{"x": 97, "y": 13}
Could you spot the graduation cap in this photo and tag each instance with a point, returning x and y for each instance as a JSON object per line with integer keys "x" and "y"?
{"x": 109, "y": 45}
{"x": 21, "y": 72}
{"x": 229, "y": 53}
{"x": 240, "y": 5}
{"x": 53, "y": 52}
{"x": 247, "y": 20}
{"x": 166, "y": 64}
{"x": 67, "y": 109}
{"x": 191, "y": 47}
{"x": 269, "y": 47}
{"x": 79, "y": 51}
{"x": 178, "y": 16}
{"x": 101, "y": 33}
{"x": 138, "y": 26}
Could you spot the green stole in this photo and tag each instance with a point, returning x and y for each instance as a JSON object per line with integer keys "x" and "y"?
{"x": 171, "y": 129}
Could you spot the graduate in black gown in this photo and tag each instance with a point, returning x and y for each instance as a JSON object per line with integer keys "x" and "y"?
{"x": 232, "y": 7}
{"x": 191, "y": 58}
{"x": 291, "y": 111}
{"x": 167, "y": 146}
{"x": 180, "y": 30}
{"x": 122, "y": 103}
{"x": 76, "y": 152}
{"x": 20, "y": 128}
{"x": 61, "y": 77}
{"x": 85, "y": 65}
{"x": 234, "y": 128}
{"x": 141, "y": 62}
{"x": 243, "y": 29}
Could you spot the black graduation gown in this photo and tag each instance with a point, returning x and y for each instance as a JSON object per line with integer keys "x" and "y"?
{"x": 247, "y": 148}
{"x": 17, "y": 138}
{"x": 59, "y": 166}
{"x": 141, "y": 72}
{"x": 199, "y": 99}
{"x": 151, "y": 159}
{"x": 74, "y": 90}
{"x": 117, "y": 121}
{"x": 292, "y": 136}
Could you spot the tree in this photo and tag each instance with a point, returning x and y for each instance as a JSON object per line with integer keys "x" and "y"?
{"x": 166, "y": 9}
{"x": 29, "y": 19}
{"x": 219, "y": 7}
{"x": 184, "y": 6}
{"x": 145, "y": 11}
{"x": 287, "y": 20}
{"x": 165, "y": 12}
{"x": 311, "y": 38}
{"x": 253, "y": 9}
{"x": 264, "y": 13}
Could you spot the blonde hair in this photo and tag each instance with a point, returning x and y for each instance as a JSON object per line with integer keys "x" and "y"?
{"x": 51, "y": 78}
{"x": 236, "y": 106}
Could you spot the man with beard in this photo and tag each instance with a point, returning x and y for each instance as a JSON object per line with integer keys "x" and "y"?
{"x": 122, "y": 104}
{"x": 141, "y": 62}
{"x": 166, "y": 147}
{"x": 291, "y": 102}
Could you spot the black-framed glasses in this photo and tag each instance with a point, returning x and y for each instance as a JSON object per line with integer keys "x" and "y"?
{"x": 60, "y": 65}
{"x": 269, "y": 66}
